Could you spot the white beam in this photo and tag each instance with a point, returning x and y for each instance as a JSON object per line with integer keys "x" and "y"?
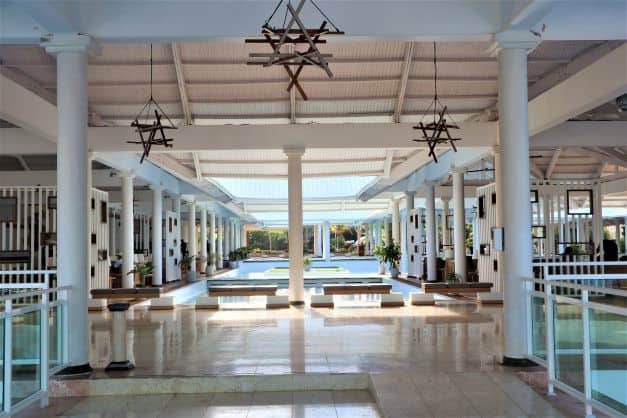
{"x": 197, "y": 167}
{"x": 594, "y": 85}
{"x": 180, "y": 79}
{"x": 387, "y": 166}
{"x": 398, "y": 109}
{"x": 603, "y": 156}
{"x": 554, "y": 158}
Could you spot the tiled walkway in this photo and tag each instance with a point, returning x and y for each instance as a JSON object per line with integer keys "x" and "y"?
{"x": 319, "y": 404}
{"x": 429, "y": 361}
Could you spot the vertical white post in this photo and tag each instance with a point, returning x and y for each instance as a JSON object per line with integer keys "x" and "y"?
{"x": 407, "y": 228}
{"x": 112, "y": 238}
{"x": 203, "y": 238}
{"x": 587, "y": 367}
{"x": 515, "y": 195}
{"x": 157, "y": 235}
{"x": 177, "y": 209}
{"x": 43, "y": 346}
{"x": 459, "y": 229}
{"x": 220, "y": 244}
{"x": 227, "y": 239}
{"x": 243, "y": 238}
{"x": 431, "y": 232}
{"x": 550, "y": 337}
{"x": 386, "y": 230}
{"x": 212, "y": 237}
{"x": 72, "y": 189}
{"x": 326, "y": 235}
{"x": 193, "y": 240}
{"x": 128, "y": 253}
{"x": 8, "y": 356}
{"x": 295, "y": 220}
{"x": 396, "y": 222}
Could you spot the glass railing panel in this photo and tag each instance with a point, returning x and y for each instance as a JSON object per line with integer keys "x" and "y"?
{"x": 608, "y": 346}
{"x": 568, "y": 344}
{"x": 538, "y": 327}
{"x": 55, "y": 333}
{"x": 26, "y": 367}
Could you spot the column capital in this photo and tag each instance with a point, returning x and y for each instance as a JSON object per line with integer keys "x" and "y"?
{"x": 58, "y": 43}
{"x": 496, "y": 149}
{"x": 458, "y": 169}
{"x": 514, "y": 39}
{"x": 127, "y": 173}
{"x": 156, "y": 187}
{"x": 294, "y": 151}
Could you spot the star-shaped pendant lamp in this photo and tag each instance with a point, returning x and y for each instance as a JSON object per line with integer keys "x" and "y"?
{"x": 294, "y": 33}
{"x": 151, "y": 123}
{"x": 436, "y": 123}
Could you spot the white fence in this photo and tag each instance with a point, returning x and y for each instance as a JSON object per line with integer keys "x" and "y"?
{"x": 34, "y": 341}
{"x": 580, "y": 338}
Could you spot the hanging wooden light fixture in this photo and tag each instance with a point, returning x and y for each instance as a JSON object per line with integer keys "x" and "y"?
{"x": 151, "y": 130}
{"x": 437, "y": 131}
{"x": 294, "y": 33}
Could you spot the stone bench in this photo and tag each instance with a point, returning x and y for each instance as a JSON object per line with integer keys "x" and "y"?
{"x": 491, "y": 298}
{"x": 121, "y": 293}
{"x": 243, "y": 290}
{"x": 357, "y": 289}
{"x": 390, "y": 300}
{"x": 96, "y": 305}
{"x": 456, "y": 288}
{"x": 321, "y": 301}
{"x": 207, "y": 302}
{"x": 164, "y": 303}
{"x": 422, "y": 299}
{"x": 277, "y": 302}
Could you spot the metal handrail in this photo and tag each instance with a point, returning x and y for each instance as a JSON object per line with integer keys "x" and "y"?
{"x": 584, "y": 302}
{"x": 43, "y": 305}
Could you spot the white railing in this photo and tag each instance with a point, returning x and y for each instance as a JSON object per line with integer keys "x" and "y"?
{"x": 576, "y": 267}
{"x": 591, "y": 385}
{"x": 30, "y": 352}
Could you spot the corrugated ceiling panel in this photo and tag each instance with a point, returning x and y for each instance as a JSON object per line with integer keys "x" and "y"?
{"x": 452, "y": 49}
{"x": 420, "y": 105}
{"x": 171, "y": 110}
{"x": 133, "y": 53}
{"x": 46, "y": 75}
{"x": 133, "y": 94}
{"x": 217, "y": 170}
{"x": 343, "y": 168}
{"x": 242, "y": 108}
{"x": 364, "y": 49}
{"x": 25, "y": 54}
{"x": 562, "y": 49}
{"x": 342, "y": 153}
{"x": 232, "y": 72}
{"x": 238, "y": 92}
{"x": 342, "y": 89}
{"x": 345, "y": 106}
{"x": 135, "y": 73}
{"x": 455, "y": 69}
{"x": 452, "y": 87}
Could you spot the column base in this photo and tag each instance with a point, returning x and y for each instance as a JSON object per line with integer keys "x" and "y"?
{"x": 517, "y": 362}
{"x": 79, "y": 370}
{"x": 297, "y": 302}
{"x": 116, "y": 366}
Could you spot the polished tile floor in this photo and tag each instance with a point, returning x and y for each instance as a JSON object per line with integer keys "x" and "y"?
{"x": 311, "y": 404}
{"x": 429, "y": 361}
{"x": 185, "y": 342}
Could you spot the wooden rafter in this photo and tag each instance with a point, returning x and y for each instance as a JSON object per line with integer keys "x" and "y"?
{"x": 400, "y": 99}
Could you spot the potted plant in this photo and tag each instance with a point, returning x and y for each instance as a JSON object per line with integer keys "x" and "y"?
{"x": 391, "y": 257}
{"x": 234, "y": 259}
{"x": 453, "y": 277}
{"x": 378, "y": 252}
{"x": 141, "y": 271}
{"x": 307, "y": 263}
{"x": 186, "y": 262}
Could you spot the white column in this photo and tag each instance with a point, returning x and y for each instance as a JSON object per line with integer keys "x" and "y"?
{"x": 157, "y": 235}
{"x": 220, "y": 243}
{"x": 459, "y": 216}
{"x": 128, "y": 253}
{"x": 326, "y": 240}
{"x": 430, "y": 226}
{"x": 227, "y": 239}
{"x": 145, "y": 232}
{"x": 212, "y": 237}
{"x": 295, "y": 220}
{"x": 72, "y": 190}
{"x": 396, "y": 222}
{"x": 320, "y": 240}
{"x": 191, "y": 224}
{"x": 243, "y": 238}
{"x": 515, "y": 194}
{"x": 203, "y": 238}
{"x": 409, "y": 206}
{"x": 386, "y": 230}
{"x": 498, "y": 189}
